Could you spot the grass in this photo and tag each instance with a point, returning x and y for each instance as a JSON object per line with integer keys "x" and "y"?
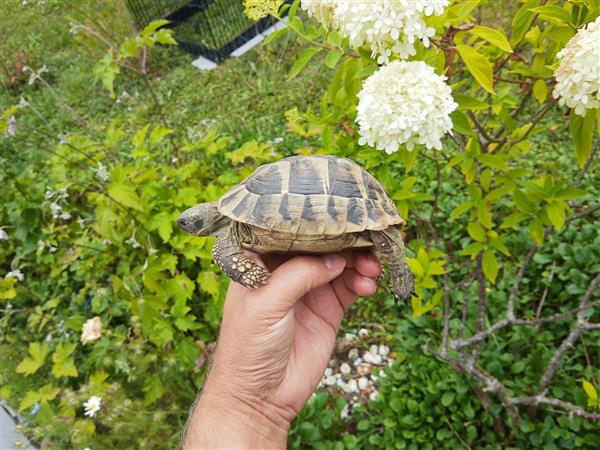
{"x": 245, "y": 98}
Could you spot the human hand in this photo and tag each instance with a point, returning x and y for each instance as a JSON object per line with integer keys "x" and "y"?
{"x": 274, "y": 346}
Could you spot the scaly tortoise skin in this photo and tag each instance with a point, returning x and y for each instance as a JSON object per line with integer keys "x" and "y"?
{"x": 302, "y": 204}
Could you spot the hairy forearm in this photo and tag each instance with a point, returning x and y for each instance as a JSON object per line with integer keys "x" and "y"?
{"x": 221, "y": 421}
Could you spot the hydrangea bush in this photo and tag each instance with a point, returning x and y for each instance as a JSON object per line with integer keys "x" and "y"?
{"x": 467, "y": 111}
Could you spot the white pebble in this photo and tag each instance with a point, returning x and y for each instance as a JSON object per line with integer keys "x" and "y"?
{"x": 373, "y": 349}
{"x": 353, "y": 353}
{"x": 350, "y": 337}
{"x": 384, "y": 350}
{"x": 371, "y": 358}
{"x": 357, "y": 362}
{"x": 363, "y": 333}
{"x": 350, "y": 387}
{"x": 328, "y": 372}
{"x": 330, "y": 380}
{"x": 363, "y": 382}
{"x": 345, "y": 369}
{"x": 373, "y": 395}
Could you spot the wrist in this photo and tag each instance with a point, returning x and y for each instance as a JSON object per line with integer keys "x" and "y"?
{"x": 224, "y": 419}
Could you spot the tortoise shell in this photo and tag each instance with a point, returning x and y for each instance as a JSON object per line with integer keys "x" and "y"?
{"x": 310, "y": 196}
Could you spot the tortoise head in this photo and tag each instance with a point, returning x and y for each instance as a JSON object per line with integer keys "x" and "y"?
{"x": 202, "y": 220}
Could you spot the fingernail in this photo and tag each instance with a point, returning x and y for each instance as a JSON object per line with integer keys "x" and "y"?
{"x": 334, "y": 262}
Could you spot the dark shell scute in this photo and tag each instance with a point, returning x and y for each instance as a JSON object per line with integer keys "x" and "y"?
{"x": 304, "y": 178}
{"x": 265, "y": 182}
{"x": 356, "y": 212}
{"x": 262, "y": 209}
{"x": 308, "y": 212}
{"x": 284, "y": 210}
{"x": 341, "y": 180}
{"x": 242, "y": 206}
{"x": 331, "y": 210}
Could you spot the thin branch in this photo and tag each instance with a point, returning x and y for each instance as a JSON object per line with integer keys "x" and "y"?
{"x": 567, "y": 406}
{"x": 446, "y": 314}
{"x": 481, "y": 305}
{"x": 570, "y": 340}
{"x": 587, "y": 164}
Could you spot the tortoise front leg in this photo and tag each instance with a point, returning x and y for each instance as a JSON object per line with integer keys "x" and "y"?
{"x": 389, "y": 248}
{"x": 229, "y": 256}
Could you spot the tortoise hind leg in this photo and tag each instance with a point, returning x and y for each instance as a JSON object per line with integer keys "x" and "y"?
{"x": 389, "y": 248}
{"x": 229, "y": 256}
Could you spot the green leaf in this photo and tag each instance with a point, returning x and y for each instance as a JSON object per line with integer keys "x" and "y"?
{"x": 536, "y": 230}
{"x": 106, "y": 70}
{"x": 64, "y": 365}
{"x": 476, "y": 231}
{"x": 275, "y": 35}
{"x": 484, "y": 216}
{"x": 495, "y": 37}
{"x": 556, "y": 214}
{"x": 158, "y": 133}
{"x": 513, "y": 219}
{"x": 31, "y": 364}
{"x": 7, "y": 289}
{"x": 165, "y": 37}
{"x": 478, "y": 66}
{"x": 469, "y": 103}
{"x": 461, "y": 209}
{"x": 365, "y": 72}
{"x": 492, "y": 161}
{"x": 153, "y": 26}
{"x": 302, "y": 61}
{"x": 153, "y": 389}
{"x": 522, "y": 21}
{"x": 540, "y": 91}
{"x": 461, "y": 123}
{"x": 128, "y": 49}
{"x": 333, "y": 57}
{"x": 582, "y": 130}
{"x": 590, "y": 390}
{"x": 125, "y": 195}
{"x": 553, "y": 12}
{"x": 490, "y": 265}
{"x": 448, "y": 398}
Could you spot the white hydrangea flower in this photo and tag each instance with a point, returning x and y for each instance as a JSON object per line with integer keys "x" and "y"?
{"x": 387, "y": 26}
{"x": 3, "y": 235}
{"x": 404, "y": 103}
{"x": 91, "y": 330}
{"x": 93, "y": 405}
{"x": 321, "y": 10}
{"x": 578, "y": 73}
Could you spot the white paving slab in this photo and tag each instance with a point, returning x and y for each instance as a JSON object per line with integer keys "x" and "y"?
{"x": 203, "y": 63}
{"x": 10, "y": 439}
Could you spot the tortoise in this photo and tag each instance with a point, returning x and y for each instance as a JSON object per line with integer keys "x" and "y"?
{"x": 302, "y": 204}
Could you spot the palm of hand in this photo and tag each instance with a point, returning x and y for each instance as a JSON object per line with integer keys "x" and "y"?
{"x": 283, "y": 341}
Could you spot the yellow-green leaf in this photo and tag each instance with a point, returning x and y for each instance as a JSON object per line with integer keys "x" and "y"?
{"x": 64, "y": 365}
{"x": 582, "y": 130}
{"x": 302, "y": 61}
{"x": 590, "y": 390}
{"x": 125, "y": 195}
{"x": 556, "y": 214}
{"x": 478, "y": 66}
{"x": 490, "y": 265}
{"x": 31, "y": 364}
{"x": 333, "y": 57}
{"x": 415, "y": 267}
{"x": 476, "y": 231}
{"x": 540, "y": 90}
{"x": 461, "y": 209}
{"x": 495, "y": 37}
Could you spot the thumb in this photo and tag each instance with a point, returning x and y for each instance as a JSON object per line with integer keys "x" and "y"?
{"x": 298, "y": 276}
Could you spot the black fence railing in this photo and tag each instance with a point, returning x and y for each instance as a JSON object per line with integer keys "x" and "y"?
{"x": 209, "y": 28}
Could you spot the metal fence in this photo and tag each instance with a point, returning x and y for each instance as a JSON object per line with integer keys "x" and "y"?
{"x": 209, "y": 28}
